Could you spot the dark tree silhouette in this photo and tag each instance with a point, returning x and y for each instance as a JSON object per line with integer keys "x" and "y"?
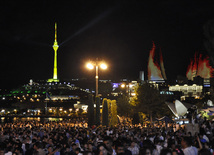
{"x": 90, "y": 111}
{"x": 150, "y": 101}
{"x": 124, "y": 108}
{"x": 97, "y": 101}
{"x": 105, "y": 113}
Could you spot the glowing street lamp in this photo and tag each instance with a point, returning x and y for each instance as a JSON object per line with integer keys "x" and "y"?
{"x": 96, "y": 64}
{"x": 123, "y": 85}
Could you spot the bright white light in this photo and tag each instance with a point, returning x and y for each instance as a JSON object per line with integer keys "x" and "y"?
{"x": 84, "y": 107}
{"x": 103, "y": 66}
{"x": 90, "y": 66}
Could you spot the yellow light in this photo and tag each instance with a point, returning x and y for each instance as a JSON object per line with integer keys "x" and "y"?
{"x": 65, "y": 111}
{"x": 90, "y": 66}
{"x": 70, "y": 110}
{"x": 133, "y": 94}
{"x": 103, "y": 66}
{"x": 123, "y": 85}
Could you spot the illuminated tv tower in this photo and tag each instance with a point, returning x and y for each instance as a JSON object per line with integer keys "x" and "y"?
{"x": 55, "y": 47}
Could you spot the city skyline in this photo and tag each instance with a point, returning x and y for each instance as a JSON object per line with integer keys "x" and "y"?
{"x": 120, "y": 33}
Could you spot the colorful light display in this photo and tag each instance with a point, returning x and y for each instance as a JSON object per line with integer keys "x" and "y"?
{"x": 199, "y": 66}
{"x": 155, "y": 71}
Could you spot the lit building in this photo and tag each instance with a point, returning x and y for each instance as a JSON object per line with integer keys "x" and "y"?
{"x": 187, "y": 90}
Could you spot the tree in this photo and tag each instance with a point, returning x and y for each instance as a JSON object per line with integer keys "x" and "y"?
{"x": 114, "y": 119}
{"x": 136, "y": 118}
{"x": 90, "y": 111}
{"x": 124, "y": 108}
{"x": 149, "y": 100}
{"x": 142, "y": 118}
{"x": 109, "y": 111}
{"x": 105, "y": 113}
{"x": 97, "y": 101}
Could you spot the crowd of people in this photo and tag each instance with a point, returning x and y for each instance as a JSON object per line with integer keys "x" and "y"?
{"x": 69, "y": 137}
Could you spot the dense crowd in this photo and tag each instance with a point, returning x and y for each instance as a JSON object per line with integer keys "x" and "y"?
{"x": 75, "y": 138}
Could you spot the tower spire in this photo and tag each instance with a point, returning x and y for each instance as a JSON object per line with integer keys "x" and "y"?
{"x": 55, "y": 47}
{"x": 55, "y": 32}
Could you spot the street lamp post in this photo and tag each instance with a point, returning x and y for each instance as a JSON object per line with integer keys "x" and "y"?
{"x": 96, "y": 77}
{"x": 96, "y": 64}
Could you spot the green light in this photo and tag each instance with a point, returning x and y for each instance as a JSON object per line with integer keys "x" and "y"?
{"x": 15, "y": 92}
{"x": 36, "y": 91}
{"x": 28, "y": 91}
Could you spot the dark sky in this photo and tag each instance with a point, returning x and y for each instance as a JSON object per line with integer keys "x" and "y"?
{"x": 119, "y": 32}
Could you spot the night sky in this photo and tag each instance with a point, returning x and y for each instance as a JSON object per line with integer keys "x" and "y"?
{"x": 121, "y": 33}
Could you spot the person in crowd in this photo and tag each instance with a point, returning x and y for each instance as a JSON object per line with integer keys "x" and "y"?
{"x": 119, "y": 148}
{"x": 165, "y": 151}
{"x": 188, "y": 149}
{"x": 145, "y": 151}
{"x": 38, "y": 149}
{"x": 204, "y": 151}
{"x": 102, "y": 149}
{"x": 133, "y": 148}
{"x": 109, "y": 144}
